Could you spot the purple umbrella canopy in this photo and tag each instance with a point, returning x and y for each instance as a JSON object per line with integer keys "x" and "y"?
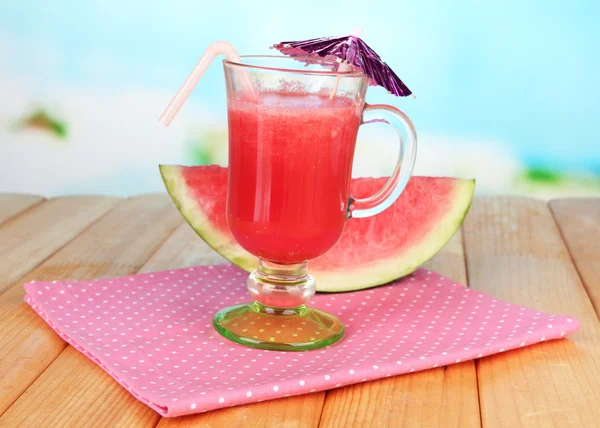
{"x": 350, "y": 50}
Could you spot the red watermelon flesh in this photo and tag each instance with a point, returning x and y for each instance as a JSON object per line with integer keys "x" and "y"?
{"x": 370, "y": 252}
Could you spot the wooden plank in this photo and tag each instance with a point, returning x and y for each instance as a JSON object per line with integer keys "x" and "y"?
{"x": 579, "y": 222}
{"x": 37, "y": 233}
{"x": 56, "y": 399}
{"x": 117, "y": 244}
{"x": 514, "y": 252}
{"x": 183, "y": 249}
{"x": 302, "y": 411}
{"x": 445, "y": 396}
{"x": 14, "y": 203}
{"x": 431, "y": 398}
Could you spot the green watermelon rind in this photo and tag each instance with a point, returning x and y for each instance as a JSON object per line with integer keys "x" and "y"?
{"x": 187, "y": 206}
{"x": 393, "y": 268}
{"x": 366, "y": 276}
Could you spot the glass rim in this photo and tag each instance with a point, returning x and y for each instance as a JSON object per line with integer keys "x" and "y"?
{"x": 351, "y": 73}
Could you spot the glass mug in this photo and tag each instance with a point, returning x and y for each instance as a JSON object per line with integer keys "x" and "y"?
{"x": 291, "y": 147}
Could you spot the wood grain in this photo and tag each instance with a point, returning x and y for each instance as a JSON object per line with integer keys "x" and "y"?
{"x": 69, "y": 394}
{"x": 445, "y": 396}
{"x": 184, "y": 248}
{"x": 579, "y": 223}
{"x": 292, "y": 412}
{"x": 12, "y": 204}
{"x": 514, "y": 252}
{"x": 117, "y": 244}
{"x": 37, "y": 233}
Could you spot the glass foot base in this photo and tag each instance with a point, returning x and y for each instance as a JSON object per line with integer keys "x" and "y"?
{"x": 297, "y": 329}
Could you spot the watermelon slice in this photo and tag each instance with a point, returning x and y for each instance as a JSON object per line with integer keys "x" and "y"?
{"x": 371, "y": 251}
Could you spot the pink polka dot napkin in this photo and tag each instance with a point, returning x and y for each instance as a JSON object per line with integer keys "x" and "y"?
{"x": 153, "y": 334}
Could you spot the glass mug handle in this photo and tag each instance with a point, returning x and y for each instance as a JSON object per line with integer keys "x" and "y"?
{"x": 373, "y": 205}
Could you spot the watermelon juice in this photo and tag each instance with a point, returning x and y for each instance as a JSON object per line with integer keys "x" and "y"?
{"x": 290, "y": 164}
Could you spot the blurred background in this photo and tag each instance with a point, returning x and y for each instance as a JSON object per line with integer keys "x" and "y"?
{"x": 507, "y": 92}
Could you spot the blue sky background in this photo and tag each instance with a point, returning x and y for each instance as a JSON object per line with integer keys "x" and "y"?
{"x": 521, "y": 72}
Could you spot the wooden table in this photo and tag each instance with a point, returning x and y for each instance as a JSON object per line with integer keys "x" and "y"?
{"x": 525, "y": 251}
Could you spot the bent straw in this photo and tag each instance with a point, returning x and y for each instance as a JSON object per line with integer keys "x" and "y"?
{"x": 214, "y": 50}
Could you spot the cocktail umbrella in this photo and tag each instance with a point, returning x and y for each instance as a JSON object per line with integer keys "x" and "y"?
{"x": 348, "y": 53}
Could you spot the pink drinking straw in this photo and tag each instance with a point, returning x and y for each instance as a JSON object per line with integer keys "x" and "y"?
{"x": 214, "y": 50}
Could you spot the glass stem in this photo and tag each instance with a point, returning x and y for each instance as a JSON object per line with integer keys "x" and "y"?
{"x": 278, "y": 286}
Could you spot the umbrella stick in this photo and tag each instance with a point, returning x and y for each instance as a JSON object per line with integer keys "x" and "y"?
{"x": 345, "y": 65}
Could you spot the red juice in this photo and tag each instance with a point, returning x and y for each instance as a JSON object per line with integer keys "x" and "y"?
{"x": 290, "y": 164}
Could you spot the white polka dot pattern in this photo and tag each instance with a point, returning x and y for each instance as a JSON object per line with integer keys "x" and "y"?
{"x": 153, "y": 334}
